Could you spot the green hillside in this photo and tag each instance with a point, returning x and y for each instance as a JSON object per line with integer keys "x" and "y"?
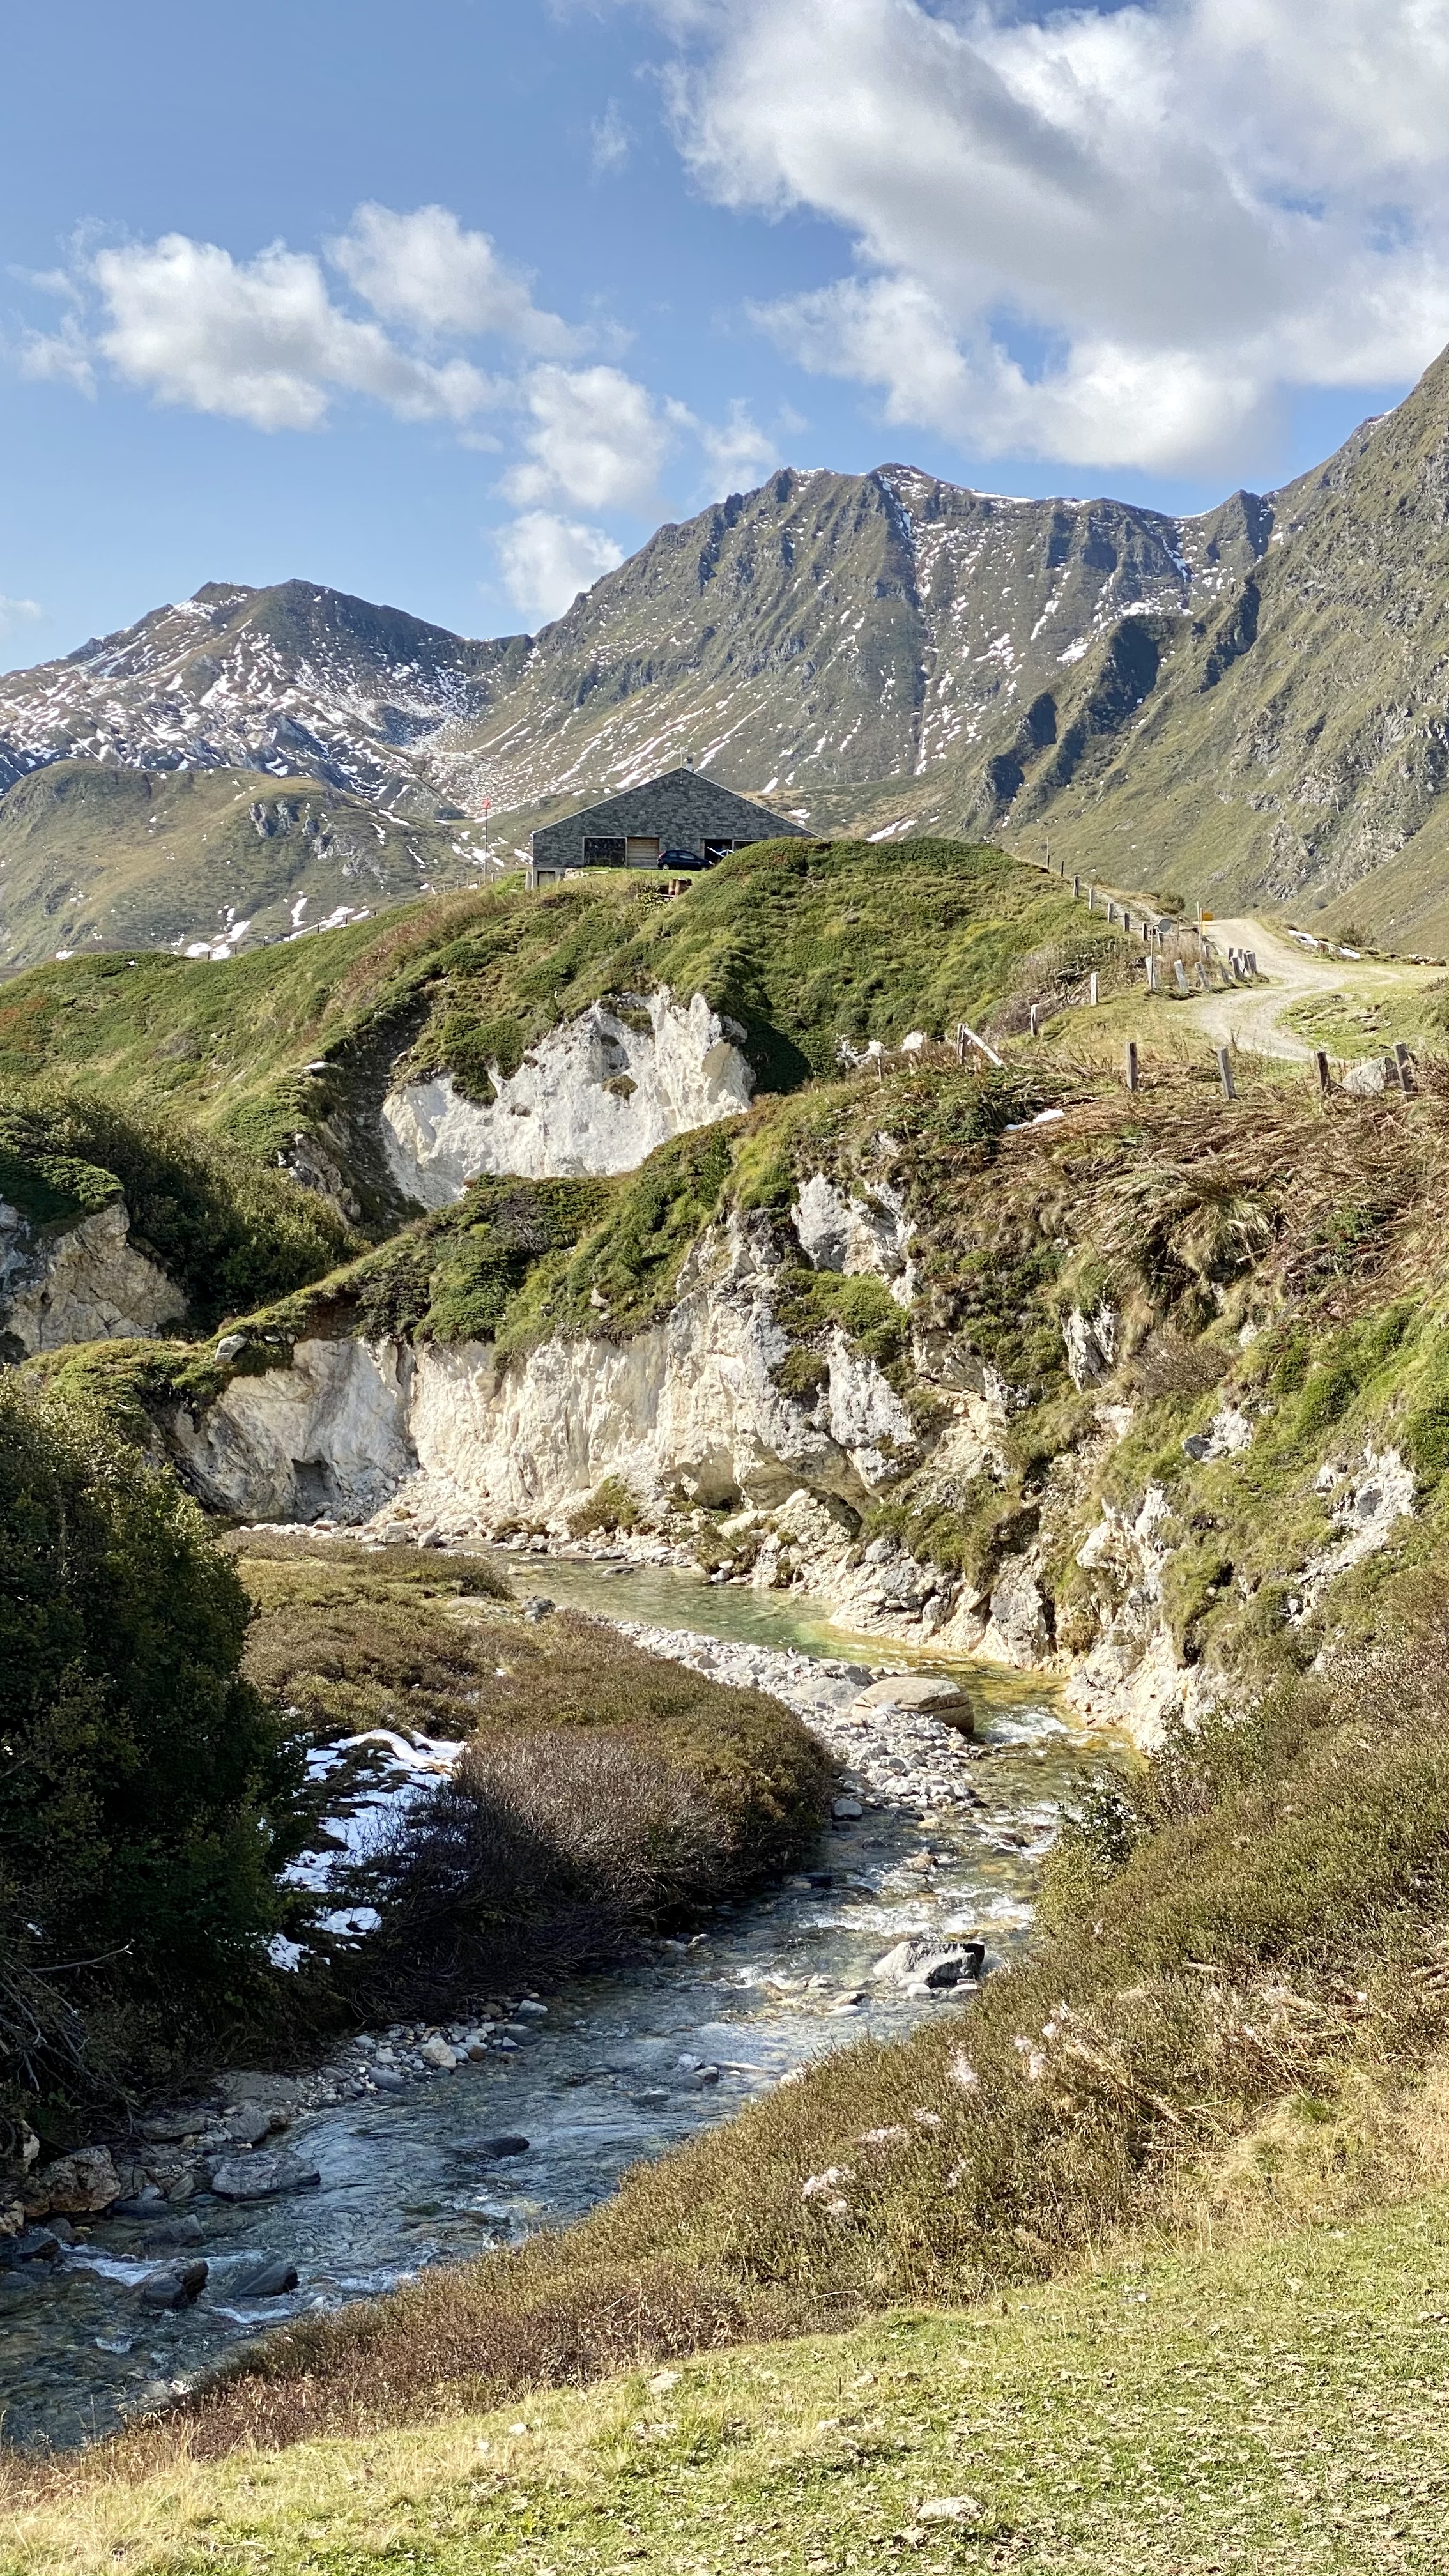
{"x": 805, "y": 944}
{"x": 96, "y": 856}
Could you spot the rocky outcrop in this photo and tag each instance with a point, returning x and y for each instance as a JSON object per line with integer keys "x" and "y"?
{"x": 87, "y": 1283}
{"x": 326, "y": 1435}
{"x": 596, "y": 1094}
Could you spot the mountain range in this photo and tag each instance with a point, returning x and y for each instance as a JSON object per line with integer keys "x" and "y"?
{"x": 1244, "y": 706}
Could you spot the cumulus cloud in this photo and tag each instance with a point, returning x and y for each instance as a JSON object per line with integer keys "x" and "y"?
{"x": 740, "y": 453}
{"x": 266, "y": 340}
{"x": 426, "y": 271}
{"x": 61, "y": 357}
{"x": 595, "y": 438}
{"x": 257, "y": 340}
{"x": 1112, "y": 235}
{"x": 547, "y": 560}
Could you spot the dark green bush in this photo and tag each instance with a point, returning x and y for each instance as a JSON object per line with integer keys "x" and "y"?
{"x": 147, "y": 1791}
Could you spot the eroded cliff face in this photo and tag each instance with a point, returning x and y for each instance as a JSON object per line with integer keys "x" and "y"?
{"x": 709, "y": 1412}
{"x": 594, "y": 1096}
{"x": 86, "y": 1284}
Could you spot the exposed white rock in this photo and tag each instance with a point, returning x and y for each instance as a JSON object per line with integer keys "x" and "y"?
{"x": 327, "y": 1435}
{"x": 87, "y": 1284}
{"x": 596, "y": 1095}
{"x": 1366, "y": 1512}
{"x": 1133, "y": 1676}
{"x": 1017, "y": 1631}
{"x": 1091, "y": 1342}
{"x": 854, "y": 1236}
{"x": 1227, "y": 1435}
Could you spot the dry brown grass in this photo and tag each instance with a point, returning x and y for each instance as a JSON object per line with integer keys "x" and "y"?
{"x": 604, "y": 1790}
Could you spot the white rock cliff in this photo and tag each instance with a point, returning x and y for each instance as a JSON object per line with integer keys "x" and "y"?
{"x": 596, "y": 1095}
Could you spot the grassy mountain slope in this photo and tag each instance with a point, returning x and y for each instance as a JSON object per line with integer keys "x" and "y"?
{"x": 830, "y": 634}
{"x": 1295, "y": 751}
{"x": 827, "y": 637}
{"x": 295, "y": 677}
{"x": 804, "y": 944}
{"x": 99, "y": 856}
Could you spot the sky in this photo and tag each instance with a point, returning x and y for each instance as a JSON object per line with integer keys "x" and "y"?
{"x": 450, "y": 307}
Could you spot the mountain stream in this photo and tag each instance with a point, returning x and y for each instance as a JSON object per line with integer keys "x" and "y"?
{"x": 626, "y": 2064}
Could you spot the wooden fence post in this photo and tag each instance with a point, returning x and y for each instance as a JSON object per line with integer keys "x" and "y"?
{"x": 1181, "y": 974}
{"x": 1092, "y": 992}
{"x": 1132, "y": 1064}
{"x": 1401, "y": 1064}
{"x": 1325, "y": 1079}
{"x": 1151, "y": 973}
{"x": 1225, "y": 1068}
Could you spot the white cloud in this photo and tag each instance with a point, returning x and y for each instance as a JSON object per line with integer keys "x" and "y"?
{"x": 596, "y": 439}
{"x": 612, "y": 141}
{"x": 17, "y": 612}
{"x": 740, "y": 453}
{"x": 1176, "y": 212}
{"x": 259, "y": 340}
{"x": 548, "y": 560}
{"x": 60, "y": 357}
{"x": 425, "y": 271}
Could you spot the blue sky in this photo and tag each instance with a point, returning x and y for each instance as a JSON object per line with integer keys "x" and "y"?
{"x": 613, "y": 260}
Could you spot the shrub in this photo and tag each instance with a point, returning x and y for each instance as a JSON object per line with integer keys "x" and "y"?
{"x": 147, "y": 1790}
{"x": 611, "y": 1506}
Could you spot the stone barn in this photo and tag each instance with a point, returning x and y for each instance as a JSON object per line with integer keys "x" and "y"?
{"x": 681, "y": 821}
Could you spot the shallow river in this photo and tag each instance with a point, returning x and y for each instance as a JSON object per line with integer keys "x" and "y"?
{"x": 615, "y": 2075}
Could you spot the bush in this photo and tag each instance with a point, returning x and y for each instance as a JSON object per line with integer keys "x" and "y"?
{"x": 146, "y": 1790}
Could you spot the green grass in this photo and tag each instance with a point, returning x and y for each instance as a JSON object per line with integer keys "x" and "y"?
{"x": 1275, "y": 2403}
{"x": 230, "y": 1235}
{"x": 803, "y": 944}
{"x": 98, "y": 856}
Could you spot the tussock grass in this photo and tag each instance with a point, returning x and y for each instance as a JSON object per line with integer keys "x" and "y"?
{"x": 604, "y": 1791}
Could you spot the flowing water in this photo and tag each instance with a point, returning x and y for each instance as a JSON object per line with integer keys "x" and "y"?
{"x": 627, "y": 2064}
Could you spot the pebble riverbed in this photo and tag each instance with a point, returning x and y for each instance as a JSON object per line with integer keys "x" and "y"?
{"x": 601, "y": 2072}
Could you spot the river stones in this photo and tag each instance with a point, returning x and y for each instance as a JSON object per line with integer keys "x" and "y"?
{"x": 847, "y": 1811}
{"x": 930, "y": 1967}
{"x": 177, "y": 2286}
{"x": 262, "y": 2177}
{"x": 79, "y": 2184}
{"x": 267, "y": 2281}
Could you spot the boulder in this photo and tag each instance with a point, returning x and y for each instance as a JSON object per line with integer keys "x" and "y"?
{"x": 267, "y": 2281}
{"x": 262, "y": 2177}
{"x": 85, "y": 2181}
{"x": 931, "y": 1967}
{"x": 847, "y": 1811}
{"x": 919, "y": 1695}
{"x": 177, "y": 2286}
{"x": 438, "y": 2053}
{"x": 247, "y": 2125}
